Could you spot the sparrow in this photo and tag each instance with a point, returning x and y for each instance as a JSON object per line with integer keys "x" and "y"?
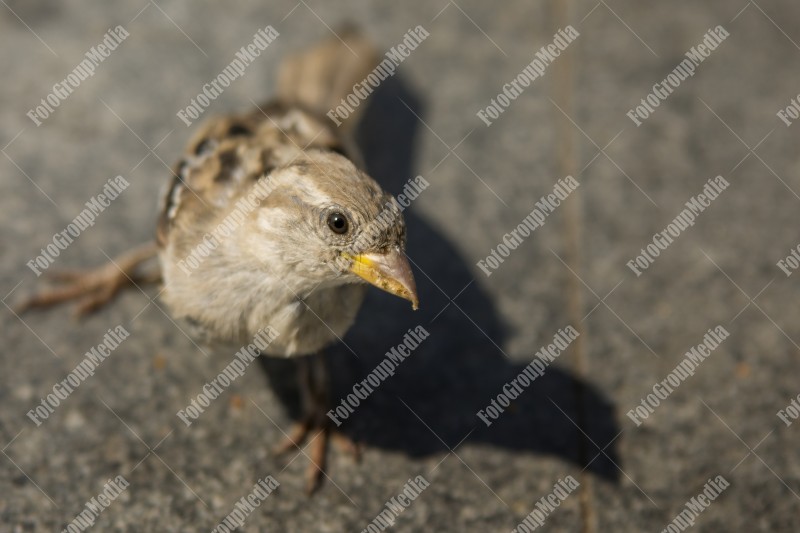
{"x": 270, "y": 221}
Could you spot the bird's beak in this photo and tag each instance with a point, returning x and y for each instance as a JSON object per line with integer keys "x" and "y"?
{"x": 388, "y": 271}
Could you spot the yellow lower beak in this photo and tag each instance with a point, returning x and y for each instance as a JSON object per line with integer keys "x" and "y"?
{"x": 388, "y": 271}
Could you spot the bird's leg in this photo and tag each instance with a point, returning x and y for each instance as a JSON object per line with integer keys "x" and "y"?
{"x": 314, "y": 425}
{"x": 93, "y": 288}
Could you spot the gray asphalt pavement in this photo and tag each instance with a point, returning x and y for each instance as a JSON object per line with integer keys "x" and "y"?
{"x": 645, "y": 421}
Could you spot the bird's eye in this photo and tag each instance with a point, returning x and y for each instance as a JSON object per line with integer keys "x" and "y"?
{"x": 338, "y": 223}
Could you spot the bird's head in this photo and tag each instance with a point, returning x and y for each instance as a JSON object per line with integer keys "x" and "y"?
{"x": 328, "y": 224}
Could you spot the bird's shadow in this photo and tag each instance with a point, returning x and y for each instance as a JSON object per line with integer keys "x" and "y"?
{"x": 430, "y": 404}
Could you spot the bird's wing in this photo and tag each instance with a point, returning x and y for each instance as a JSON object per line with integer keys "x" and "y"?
{"x": 229, "y": 154}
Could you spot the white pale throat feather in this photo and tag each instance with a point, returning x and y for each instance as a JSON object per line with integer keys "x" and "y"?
{"x": 240, "y": 307}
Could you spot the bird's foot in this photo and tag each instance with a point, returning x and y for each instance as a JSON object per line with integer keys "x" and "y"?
{"x": 93, "y": 288}
{"x": 318, "y": 433}
{"x": 315, "y": 427}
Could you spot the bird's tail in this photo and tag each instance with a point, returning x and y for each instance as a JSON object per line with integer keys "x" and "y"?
{"x": 319, "y": 77}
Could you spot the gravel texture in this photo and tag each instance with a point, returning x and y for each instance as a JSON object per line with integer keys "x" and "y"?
{"x": 571, "y": 421}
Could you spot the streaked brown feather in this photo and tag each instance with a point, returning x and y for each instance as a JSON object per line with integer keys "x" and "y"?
{"x": 228, "y": 155}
